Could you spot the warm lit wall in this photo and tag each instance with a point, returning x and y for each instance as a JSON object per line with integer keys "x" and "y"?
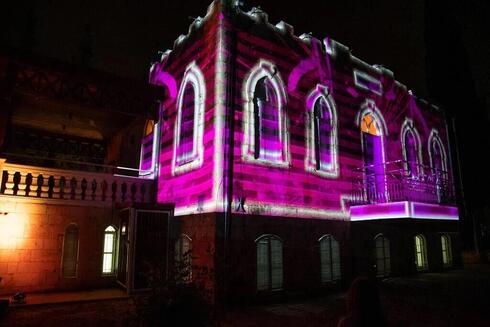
{"x": 31, "y": 242}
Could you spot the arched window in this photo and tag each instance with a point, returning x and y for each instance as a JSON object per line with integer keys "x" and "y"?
{"x": 382, "y": 255}
{"x": 109, "y": 255}
{"x": 373, "y": 130}
{"x": 420, "y": 253}
{"x": 412, "y": 154}
{"x": 321, "y": 133}
{"x": 269, "y": 263}
{"x": 329, "y": 259}
{"x": 189, "y": 125}
{"x": 183, "y": 258}
{"x": 438, "y": 164}
{"x": 265, "y": 122}
{"x": 447, "y": 254}
{"x": 69, "y": 261}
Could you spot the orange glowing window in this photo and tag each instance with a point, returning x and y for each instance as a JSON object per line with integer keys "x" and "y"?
{"x": 369, "y": 125}
{"x": 150, "y": 125}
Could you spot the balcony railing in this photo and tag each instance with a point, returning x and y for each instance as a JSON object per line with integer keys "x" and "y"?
{"x": 98, "y": 188}
{"x": 394, "y": 182}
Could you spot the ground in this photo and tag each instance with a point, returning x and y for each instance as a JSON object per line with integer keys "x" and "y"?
{"x": 454, "y": 298}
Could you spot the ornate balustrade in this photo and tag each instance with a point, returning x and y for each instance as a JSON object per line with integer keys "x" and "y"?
{"x": 99, "y": 188}
{"x": 393, "y": 182}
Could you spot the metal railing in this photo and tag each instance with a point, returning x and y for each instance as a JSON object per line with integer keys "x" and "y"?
{"x": 398, "y": 181}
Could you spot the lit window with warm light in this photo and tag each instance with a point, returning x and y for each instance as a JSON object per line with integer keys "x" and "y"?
{"x": 108, "y": 259}
{"x": 420, "y": 253}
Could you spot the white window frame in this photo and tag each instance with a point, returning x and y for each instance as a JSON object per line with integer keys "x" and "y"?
{"x": 195, "y": 77}
{"x": 109, "y": 231}
{"x": 329, "y": 264}
{"x": 268, "y": 239}
{"x": 332, "y": 170}
{"x": 446, "y": 240}
{"x": 435, "y": 138}
{"x": 421, "y": 253}
{"x": 264, "y": 69}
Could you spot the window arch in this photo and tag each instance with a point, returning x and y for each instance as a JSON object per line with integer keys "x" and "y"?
{"x": 189, "y": 124}
{"x": 411, "y": 148}
{"x": 373, "y": 131}
{"x": 321, "y": 133}
{"x": 269, "y": 263}
{"x": 183, "y": 258}
{"x": 382, "y": 255}
{"x": 265, "y": 122}
{"x": 109, "y": 252}
{"x": 447, "y": 254}
{"x": 420, "y": 253}
{"x": 437, "y": 154}
{"x": 69, "y": 260}
{"x": 330, "y": 270}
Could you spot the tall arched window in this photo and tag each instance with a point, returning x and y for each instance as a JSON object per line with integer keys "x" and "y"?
{"x": 420, "y": 253}
{"x": 183, "y": 258}
{"x": 382, "y": 255}
{"x": 321, "y": 133}
{"x": 411, "y": 148}
{"x": 329, "y": 259}
{"x": 438, "y": 164}
{"x": 373, "y": 130}
{"x": 447, "y": 254}
{"x": 189, "y": 125}
{"x": 265, "y": 121}
{"x": 69, "y": 261}
{"x": 109, "y": 255}
{"x": 269, "y": 263}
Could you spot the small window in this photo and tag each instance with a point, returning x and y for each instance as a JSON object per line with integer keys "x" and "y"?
{"x": 420, "y": 253}
{"x": 69, "y": 259}
{"x": 108, "y": 257}
{"x": 382, "y": 255}
{"x": 329, "y": 259}
{"x": 183, "y": 258}
{"x": 447, "y": 255}
{"x": 269, "y": 263}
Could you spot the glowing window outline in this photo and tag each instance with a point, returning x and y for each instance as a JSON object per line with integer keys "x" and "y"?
{"x": 446, "y": 240}
{"x": 409, "y": 127}
{"x": 193, "y": 75}
{"x": 264, "y": 69}
{"x": 310, "y": 160}
{"x": 109, "y": 231}
{"x": 434, "y": 137}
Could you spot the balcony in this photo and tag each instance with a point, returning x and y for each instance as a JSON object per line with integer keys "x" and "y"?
{"x": 109, "y": 186}
{"x": 392, "y": 191}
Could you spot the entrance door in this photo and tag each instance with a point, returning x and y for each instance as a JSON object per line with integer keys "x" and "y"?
{"x": 150, "y": 252}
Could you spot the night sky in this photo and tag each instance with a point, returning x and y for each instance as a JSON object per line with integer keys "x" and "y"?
{"x": 440, "y": 52}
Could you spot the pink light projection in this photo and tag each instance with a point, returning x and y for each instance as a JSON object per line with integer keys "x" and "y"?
{"x": 403, "y": 210}
{"x": 295, "y": 144}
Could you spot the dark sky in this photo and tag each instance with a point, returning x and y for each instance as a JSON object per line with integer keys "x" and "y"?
{"x": 127, "y": 34}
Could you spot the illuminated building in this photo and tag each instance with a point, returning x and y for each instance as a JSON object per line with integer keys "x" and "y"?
{"x": 295, "y": 166}
{"x": 292, "y": 167}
